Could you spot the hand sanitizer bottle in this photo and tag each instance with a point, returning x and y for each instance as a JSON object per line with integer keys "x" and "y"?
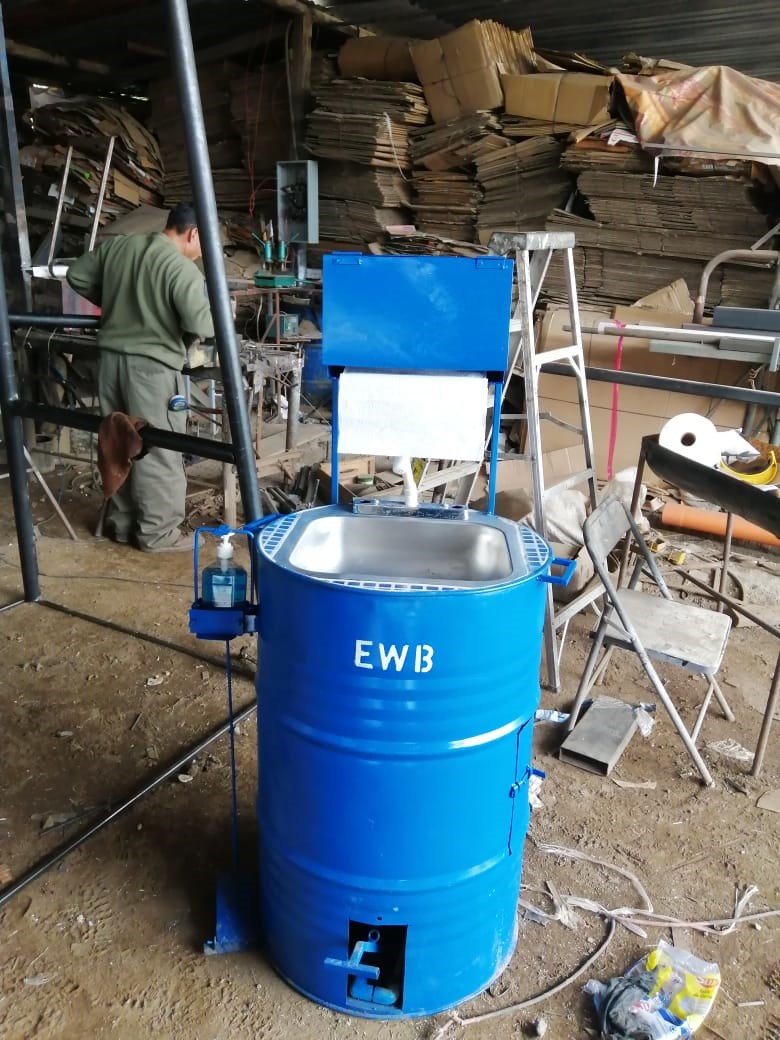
{"x": 224, "y": 582}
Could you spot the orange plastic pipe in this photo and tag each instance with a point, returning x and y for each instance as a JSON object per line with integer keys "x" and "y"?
{"x": 707, "y": 521}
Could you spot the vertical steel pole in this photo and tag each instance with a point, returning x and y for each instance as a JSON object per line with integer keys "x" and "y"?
{"x": 17, "y": 464}
{"x": 16, "y": 243}
{"x": 208, "y": 225}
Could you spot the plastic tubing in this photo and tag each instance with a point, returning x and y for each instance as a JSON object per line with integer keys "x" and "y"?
{"x": 708, "y": 521}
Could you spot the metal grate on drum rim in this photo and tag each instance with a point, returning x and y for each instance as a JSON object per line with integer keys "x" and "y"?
{"x": 273, "y": 537}
{"x": 392, "y": 586}
{"x": 537, "y": 551}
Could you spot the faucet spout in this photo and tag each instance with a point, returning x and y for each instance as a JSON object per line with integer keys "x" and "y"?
{"x": 411, "y": 497}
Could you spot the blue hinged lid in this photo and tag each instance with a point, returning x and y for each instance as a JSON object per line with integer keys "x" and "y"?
{"x": 416, "y": 313}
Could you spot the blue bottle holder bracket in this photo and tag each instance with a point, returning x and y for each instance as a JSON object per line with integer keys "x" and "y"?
{"x": 224, "y": 623}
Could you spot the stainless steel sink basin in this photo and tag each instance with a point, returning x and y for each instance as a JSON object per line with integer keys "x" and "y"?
{"x": 412, "y": 549}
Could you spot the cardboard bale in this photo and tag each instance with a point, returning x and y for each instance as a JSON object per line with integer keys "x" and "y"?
{"x": 461, "y": 71}
{"x": 560, "y": 98}
{"x": 378, "y": 57}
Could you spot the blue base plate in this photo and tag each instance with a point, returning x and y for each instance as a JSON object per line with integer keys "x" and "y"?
{"x": 238, "y": 922}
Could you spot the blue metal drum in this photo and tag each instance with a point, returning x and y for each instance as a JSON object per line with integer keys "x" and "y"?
{"x": 397, "y": 685}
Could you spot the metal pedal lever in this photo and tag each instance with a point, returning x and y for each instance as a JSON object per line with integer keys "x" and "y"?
{"x": 355, "y": 966}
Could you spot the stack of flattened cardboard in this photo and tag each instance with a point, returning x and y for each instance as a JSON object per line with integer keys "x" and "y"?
{"x": 223, "y": 141}
{"x": 415, "y": 243}
{"x": 260, "y": 114}
{"x": 461, "y": 71}
{"x": 366, "y": 121}
{"x": 714, "y": 205}
{"x": 521, "y": 185}
{"x": 451, "y": 146}
{"x": 87, "y": 124}
{"x": 365, "y": 124}
{"x": 446, "y": 193}
{"x": 358, "y": 202}
{"x": 650, "y": 231}
{"x": 445, "y": 203}
{"x": 260, "y": 111}
{"x": 595, "y": 152}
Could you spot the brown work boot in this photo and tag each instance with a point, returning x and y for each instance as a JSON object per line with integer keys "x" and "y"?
{"x": 184, "y": 543}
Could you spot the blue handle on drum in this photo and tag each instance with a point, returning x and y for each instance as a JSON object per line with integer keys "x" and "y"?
{"x": 560, "y": 579}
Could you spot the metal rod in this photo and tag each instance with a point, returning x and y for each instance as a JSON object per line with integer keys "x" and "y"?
{"x": 213, "y": 261}
{"x": 769, "y": 710}
{"x": 53, "y": 321}
{"x": 494, "y": 434}
{"x": 765, "y": 238}
{"x": 60, "y": 203}
{"x": 10, "y": 606}
{"x": 726, "y": 558}
{"x": 293, "y": 407}
{"x": 101, "y": 193}
{"x": 147, "y": 637}
{"x": 233, "y": 777}
{"x": 116, "y": 810}
{"x": 764, "y": 256}
{"x": 16, "y": 239}
{"x": 735, "y": 604}
{"x": 17, "y": 464}
{"x": 680, "y": 386}
{"x": 50, "y": 495}
{"x": 766, "y": 725}
{"x": 152, "y": 436}
{"x": 608, "y": 328}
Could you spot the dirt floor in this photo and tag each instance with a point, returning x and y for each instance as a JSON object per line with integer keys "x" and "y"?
{"x": 108, "y": 943}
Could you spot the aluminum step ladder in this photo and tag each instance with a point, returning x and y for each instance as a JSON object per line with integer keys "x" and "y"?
{"x": 533, "y": 252}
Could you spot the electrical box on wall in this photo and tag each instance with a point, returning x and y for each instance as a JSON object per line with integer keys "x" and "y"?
{"x": 297, "y": 201}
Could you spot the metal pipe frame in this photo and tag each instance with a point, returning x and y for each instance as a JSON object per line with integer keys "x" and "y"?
{"x": 186, "y": 76}
{"x": 16, "y": 241}
{"x": 609, "y": 328}
{"x": 241, "y": 451}
{"x": 755, "y": 256}
{"x": 152, "y": 436}
{"x": 53, "y": 321}
{"x": 678, "y": 386}
{"x": 17, "y": 464}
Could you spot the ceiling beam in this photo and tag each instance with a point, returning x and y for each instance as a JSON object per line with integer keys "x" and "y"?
{"x": 36, "y": 56}
{"x": 321, "y": 15}
{"x": 204, "y": 55}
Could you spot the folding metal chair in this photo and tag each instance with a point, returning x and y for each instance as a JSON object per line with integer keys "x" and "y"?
{"x": 655, "y": 628}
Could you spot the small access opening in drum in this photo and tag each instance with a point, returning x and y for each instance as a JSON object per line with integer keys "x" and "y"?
{"x": 384, "y": 947}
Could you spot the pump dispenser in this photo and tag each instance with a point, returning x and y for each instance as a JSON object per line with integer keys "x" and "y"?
{"x": 224, "y": 582}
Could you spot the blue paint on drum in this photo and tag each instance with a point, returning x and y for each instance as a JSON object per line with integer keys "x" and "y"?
{"x": 394, "y": 727}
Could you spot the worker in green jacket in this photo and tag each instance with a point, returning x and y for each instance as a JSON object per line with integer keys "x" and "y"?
{"x": 152, "y": 297}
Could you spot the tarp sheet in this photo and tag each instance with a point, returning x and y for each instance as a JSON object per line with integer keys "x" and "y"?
{"x": 712, "y": 111}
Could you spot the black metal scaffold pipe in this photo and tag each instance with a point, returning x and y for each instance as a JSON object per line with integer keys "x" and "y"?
{"x": 7, "y": 894}
{"x": 208, "y": 225}
{"x": 767, "y": 398}
{"x": 53, "y": 321}
{"x": 17, "y": 464}
{"x": 152, "y": 436}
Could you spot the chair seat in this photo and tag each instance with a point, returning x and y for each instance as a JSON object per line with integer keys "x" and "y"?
{"x": 682, "y": 634}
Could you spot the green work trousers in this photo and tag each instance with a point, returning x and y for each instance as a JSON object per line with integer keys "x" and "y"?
{"x": 150, "y": 506}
